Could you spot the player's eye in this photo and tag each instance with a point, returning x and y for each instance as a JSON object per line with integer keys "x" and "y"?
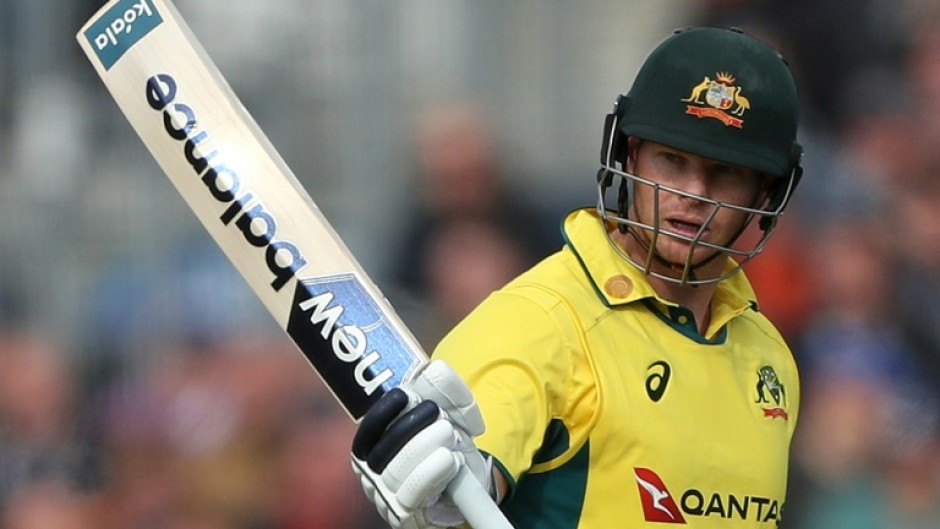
{"x": 673, "y": 159}
{"x": 722, "y": 169}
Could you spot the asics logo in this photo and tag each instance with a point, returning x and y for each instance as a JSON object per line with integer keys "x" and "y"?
{"x": 657, "y": 379}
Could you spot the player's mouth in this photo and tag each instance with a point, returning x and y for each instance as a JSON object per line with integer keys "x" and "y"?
{"x": 685, "y": 227}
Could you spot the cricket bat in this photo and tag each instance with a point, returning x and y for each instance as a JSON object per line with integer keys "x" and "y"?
{"x": 255, "y": 209}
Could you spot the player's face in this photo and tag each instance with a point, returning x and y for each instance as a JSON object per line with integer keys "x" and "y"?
{"x": 683, "y": 215}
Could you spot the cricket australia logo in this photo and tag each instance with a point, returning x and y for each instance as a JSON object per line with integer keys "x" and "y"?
{"x": 771, "y": 393}
{"x": 718, "y": 98}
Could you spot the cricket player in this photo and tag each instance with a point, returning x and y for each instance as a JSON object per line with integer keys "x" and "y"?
{"x": 630, "y": 379}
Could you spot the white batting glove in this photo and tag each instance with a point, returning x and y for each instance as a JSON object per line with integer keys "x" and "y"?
{"x": 412, "y": 443}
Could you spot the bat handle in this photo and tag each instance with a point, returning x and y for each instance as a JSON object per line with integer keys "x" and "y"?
{"x": 474, "y": 503}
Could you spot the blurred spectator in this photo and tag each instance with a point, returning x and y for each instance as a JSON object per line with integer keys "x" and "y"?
{"x": 915, "y": 238}
{"x": 866, "y": 456}
{"x": 313, "y": 485}
{"x": 915, "y": 195}
{"x": 47, "y": 505}
{"x": 461, "y": 177}
{"x": 836, "y": 483}
{"x": 39, "y": 433}
{"x": 208, "y": 438}
{"x": 822, "y": 40}
{"x": 784, "y": 278}
{"x": 136, "y": 489}
{"x": 923, "y": 69}
{"x": 914, "y": 483}
{"x": 865, "y": 400}
{"x": 226, "y": 405}
{"x": 852, "y": 332}
{"x": 466, "y": 261}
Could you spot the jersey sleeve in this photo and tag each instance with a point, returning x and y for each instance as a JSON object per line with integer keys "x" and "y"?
{"x": 517, "y": 356}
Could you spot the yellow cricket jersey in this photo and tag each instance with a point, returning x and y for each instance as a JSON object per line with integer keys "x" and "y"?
{"x": 605, "y": 408}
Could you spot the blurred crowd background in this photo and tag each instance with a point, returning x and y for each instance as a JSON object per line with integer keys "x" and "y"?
{"x": 142, "y": 386}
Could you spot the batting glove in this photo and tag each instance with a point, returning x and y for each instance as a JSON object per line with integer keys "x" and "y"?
{"x": 413, "y": 442}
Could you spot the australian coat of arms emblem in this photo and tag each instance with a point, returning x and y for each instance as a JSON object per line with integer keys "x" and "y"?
{"x": 718, "y": 98}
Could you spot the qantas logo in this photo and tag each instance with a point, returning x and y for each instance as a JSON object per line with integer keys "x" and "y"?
{"x": 660, "y": 506}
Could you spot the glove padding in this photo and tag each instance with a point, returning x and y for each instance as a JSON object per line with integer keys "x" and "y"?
{"x": 413, "y": 442}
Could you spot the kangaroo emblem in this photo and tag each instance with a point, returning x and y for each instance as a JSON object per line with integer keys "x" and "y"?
{"x": 698, "y": 90}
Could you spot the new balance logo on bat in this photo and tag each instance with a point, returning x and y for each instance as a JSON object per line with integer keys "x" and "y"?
{"x": 257, "y": 225}
{"x": 334, "y": 320}
{"x": 121, "y": 27}
{"x": 346, "y": 336}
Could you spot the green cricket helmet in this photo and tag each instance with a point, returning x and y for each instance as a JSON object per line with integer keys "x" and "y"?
{"x": 716, "y": 93}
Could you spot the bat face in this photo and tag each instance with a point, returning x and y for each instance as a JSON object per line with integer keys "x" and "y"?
{"x": 243, "y": 210}
{"x": 247, "y": 198}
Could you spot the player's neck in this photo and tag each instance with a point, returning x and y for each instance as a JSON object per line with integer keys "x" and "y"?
{"x": 694, "y": 298}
